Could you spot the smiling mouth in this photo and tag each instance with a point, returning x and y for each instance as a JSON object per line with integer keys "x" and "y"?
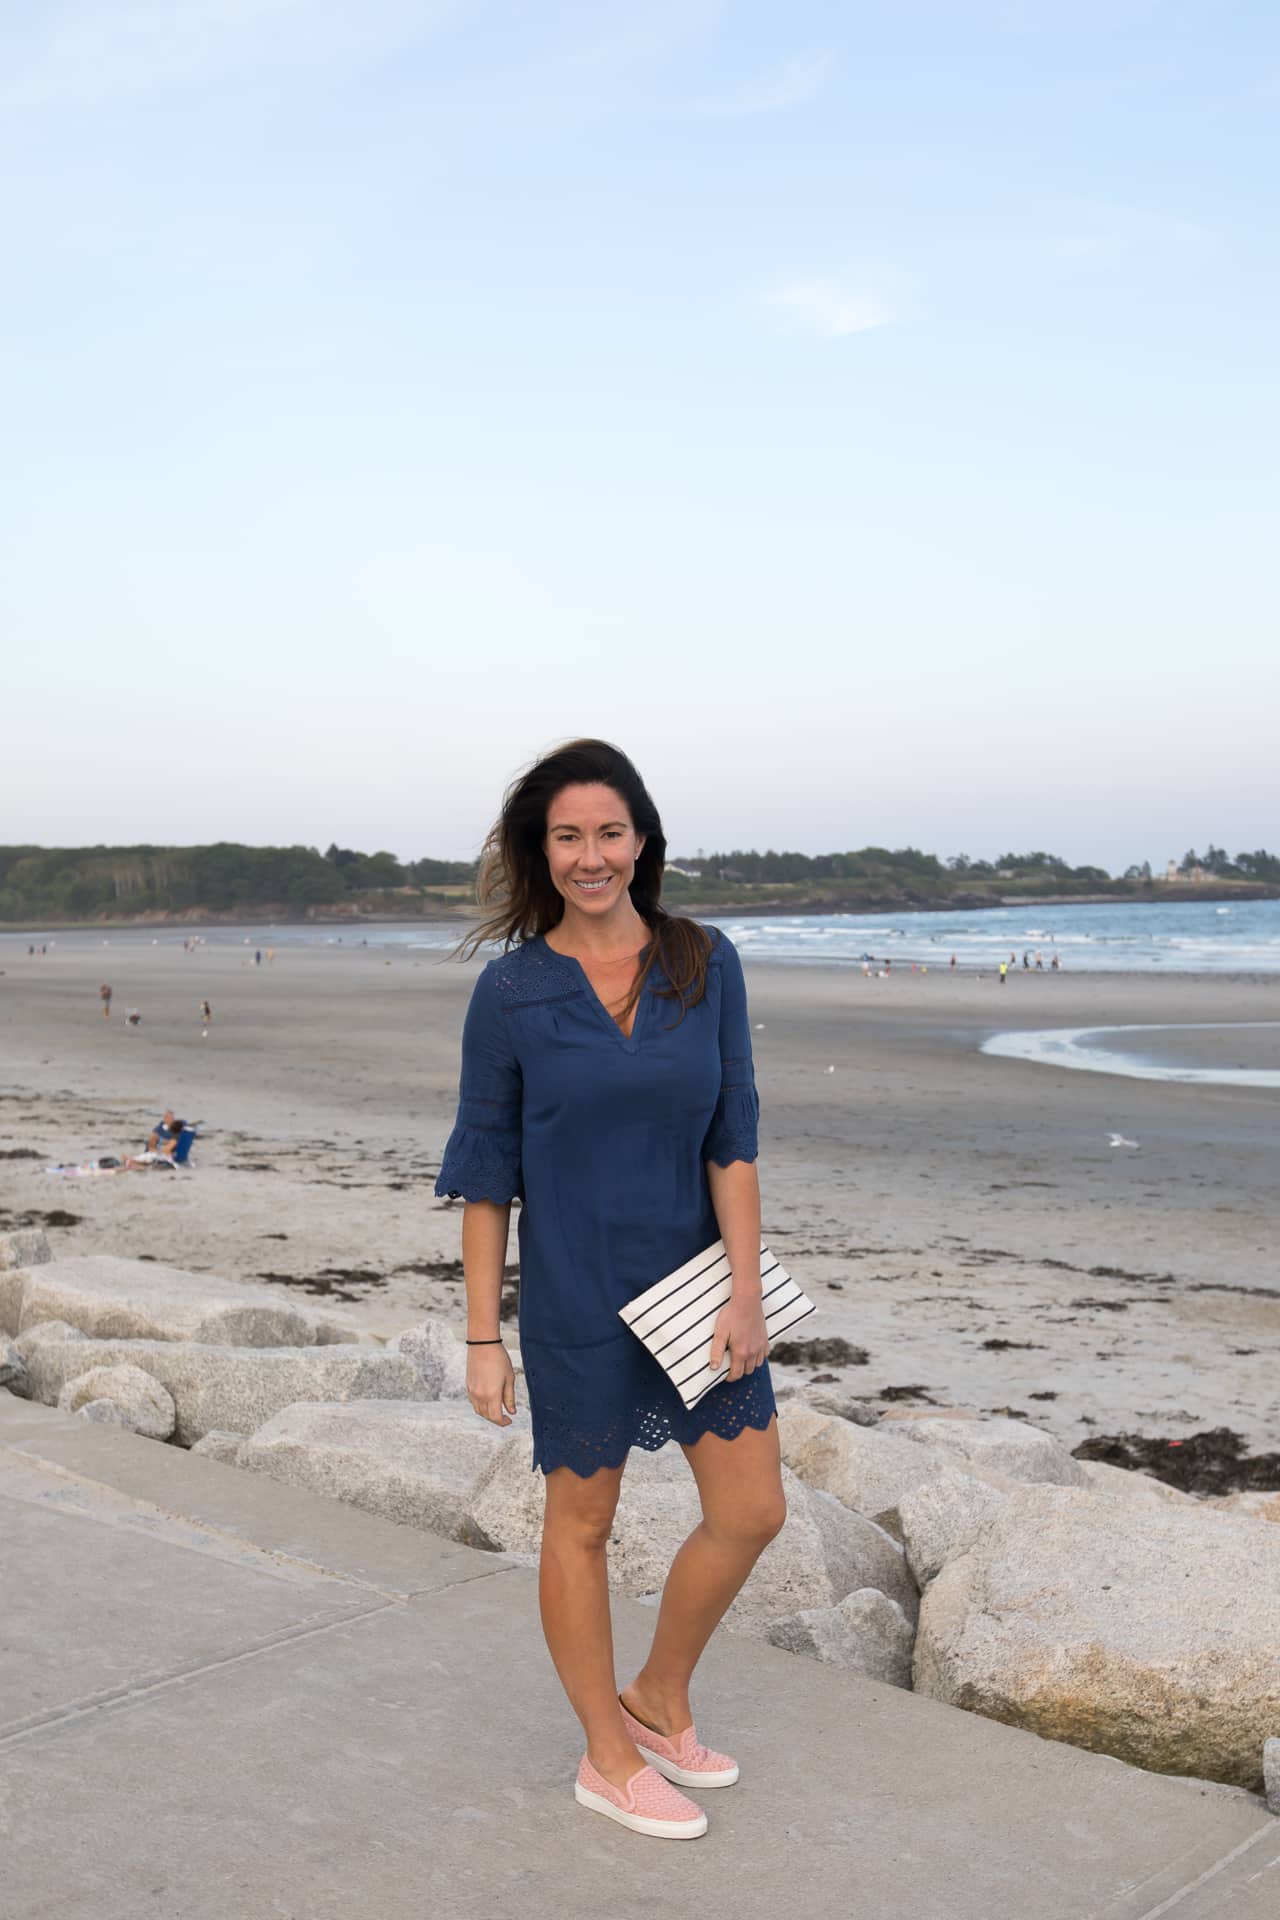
{"x": 593, "y": 886}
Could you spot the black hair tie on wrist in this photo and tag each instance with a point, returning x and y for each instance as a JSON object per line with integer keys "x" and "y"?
{"x": 486, "y": 1343}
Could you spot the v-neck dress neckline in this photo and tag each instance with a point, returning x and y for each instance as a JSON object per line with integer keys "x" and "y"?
{"x": 629, "y": 1042}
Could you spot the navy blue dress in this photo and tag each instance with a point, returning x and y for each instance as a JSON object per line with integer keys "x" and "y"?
{"x": 604, "y": 1140}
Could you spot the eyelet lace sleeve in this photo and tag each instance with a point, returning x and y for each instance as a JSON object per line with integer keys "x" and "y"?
{"x": 482, "y": 1159}
{"x": 734, "y": 1130}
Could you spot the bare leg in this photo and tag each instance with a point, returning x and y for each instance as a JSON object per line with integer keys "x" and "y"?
{"x": 743, "y": 1508}
{"x": 573, "y": 1595}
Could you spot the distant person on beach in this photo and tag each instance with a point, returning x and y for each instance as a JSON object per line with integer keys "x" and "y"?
{"x": 1026, "y": 961}
{"x": 1004, "y": 971}
{"x": 161, "y": 1154}
{"x": 206, "y": 1012}
{"x": 953, "y": 963}
{"x": 1054, "y": 963}
{"x": 165, "y": 1129}
{"x": 257, "y": 958}
{"x": 104, "y": 994}
{"x": 624, "y": 1118}
{"x": 1040, "y": 960}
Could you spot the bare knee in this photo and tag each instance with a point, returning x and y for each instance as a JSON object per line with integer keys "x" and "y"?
{"x": 579, "y": 1512}
{"x": 752, "y": 1523}
{"x": 771, "y": 1517}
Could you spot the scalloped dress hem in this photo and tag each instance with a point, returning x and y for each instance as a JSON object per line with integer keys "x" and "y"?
{"x": 555, "y": 1444}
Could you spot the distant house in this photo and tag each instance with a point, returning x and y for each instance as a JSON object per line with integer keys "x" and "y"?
{"x": 1171, "y": 870}
{"x": 1006, "y": 873}
{"x": 686, "y": 873}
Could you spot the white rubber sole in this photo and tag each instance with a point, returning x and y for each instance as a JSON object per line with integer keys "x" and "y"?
{"x": 681, "y": 1776}
{"x": 638, "y": 1823}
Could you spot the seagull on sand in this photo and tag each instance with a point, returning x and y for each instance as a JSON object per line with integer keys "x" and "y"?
{"x": 1118, "y": 1140}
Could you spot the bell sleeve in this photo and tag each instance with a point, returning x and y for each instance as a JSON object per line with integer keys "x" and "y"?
{"x": 482, "y": 1158}
{"x": 734, "y": 1130}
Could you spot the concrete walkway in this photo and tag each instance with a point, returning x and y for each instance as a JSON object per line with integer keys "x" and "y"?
{"x": 221, "y": 1699}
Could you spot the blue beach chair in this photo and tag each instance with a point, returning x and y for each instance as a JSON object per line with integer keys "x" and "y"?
{"x": 182, "y": 1152}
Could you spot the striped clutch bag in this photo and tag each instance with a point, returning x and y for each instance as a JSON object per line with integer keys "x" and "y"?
{"x": 675, "y": 1318}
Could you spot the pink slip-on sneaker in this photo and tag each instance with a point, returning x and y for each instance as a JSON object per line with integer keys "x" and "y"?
{"x": 684, "y": 1759}
{"x": 647, "y": 1804}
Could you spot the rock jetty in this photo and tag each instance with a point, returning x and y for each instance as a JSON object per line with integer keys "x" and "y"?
{"x": 971, "y": 1559}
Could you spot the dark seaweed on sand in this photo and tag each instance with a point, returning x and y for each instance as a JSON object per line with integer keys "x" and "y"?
{"x": 332, "y": 1283}
{"x": 1211, "y": 1462}
{"x": 54, "y": 1217}
{"x": 833, "y": 1352}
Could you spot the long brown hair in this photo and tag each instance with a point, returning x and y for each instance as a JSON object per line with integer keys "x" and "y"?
{"x": 514, "y": 881}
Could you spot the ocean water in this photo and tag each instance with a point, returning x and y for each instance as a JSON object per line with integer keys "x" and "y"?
{"x": 1195, "y": 1053}
{"x": 1122, "y": 937}
{"x": 1182, "y": 937}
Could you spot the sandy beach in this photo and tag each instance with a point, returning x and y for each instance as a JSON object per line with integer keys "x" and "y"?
{"x": 962, "y": 1219}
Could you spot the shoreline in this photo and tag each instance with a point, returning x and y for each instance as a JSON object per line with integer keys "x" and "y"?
{"x": 903, "y": 967}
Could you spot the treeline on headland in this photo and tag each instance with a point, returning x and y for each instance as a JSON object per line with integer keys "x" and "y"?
{"x": 225, "y": 881}
{"x": 123, "y": 883}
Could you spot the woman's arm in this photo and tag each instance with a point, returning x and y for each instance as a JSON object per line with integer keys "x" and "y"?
{"x": 729, "y": 1153}
{"x": 481, "y": 1165}
{"x": 735, "y": 1195}
{"x": 485, "y": 1225}
{"x": 491, "y": 1385}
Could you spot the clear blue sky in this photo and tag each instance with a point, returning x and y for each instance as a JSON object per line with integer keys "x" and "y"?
{"x": 866, "y": 414}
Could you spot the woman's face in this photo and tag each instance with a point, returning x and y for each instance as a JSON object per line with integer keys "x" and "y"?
{"x": 591, "y": 848}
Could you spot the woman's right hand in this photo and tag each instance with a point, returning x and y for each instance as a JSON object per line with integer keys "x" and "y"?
{"x": 491, "y": 1383}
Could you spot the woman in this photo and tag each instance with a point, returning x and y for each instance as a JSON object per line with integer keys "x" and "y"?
{"x": 607, "y": 1084}
{"x": 162, "y": 1144}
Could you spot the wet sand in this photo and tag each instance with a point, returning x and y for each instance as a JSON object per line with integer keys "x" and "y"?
{"x": 961, "y": 1218}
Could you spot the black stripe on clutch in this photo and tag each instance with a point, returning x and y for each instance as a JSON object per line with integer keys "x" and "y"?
{"x": 705, "y": 1278}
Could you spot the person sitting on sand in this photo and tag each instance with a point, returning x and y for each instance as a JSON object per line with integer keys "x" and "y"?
{"x": 167, "y": 1135}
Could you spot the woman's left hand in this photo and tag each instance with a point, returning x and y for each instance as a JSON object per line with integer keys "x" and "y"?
{"x": 740, "y": 1327}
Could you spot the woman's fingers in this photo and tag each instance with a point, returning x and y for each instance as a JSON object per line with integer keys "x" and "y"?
{"x": 491, "y": 1410}
{"x": 491, "y": 1386}
{"x": 754, "y": 1351}
{"x": 753, "y": 1354}
{"x": 752, "y": 1361}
